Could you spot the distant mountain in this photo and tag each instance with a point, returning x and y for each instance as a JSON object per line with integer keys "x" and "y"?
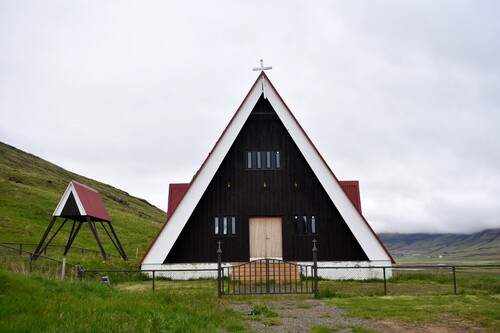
{"x": 480, "y": 247}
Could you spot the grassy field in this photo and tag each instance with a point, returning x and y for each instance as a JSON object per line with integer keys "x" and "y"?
{"x": 35, "y": 304}
{"x": 481, "y": 310}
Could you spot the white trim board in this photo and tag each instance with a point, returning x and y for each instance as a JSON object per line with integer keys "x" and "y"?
{"x": 70, "y": 189}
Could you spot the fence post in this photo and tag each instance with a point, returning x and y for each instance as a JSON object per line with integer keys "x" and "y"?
{"x": 219, "y": 269}
{"x": 63, "y": 271}
{"x": 80, "y": 271}
{"x": 20, "y": 249}
{"x": 385, "y": 282}
{"x": 454, "y": 280}
{"x": 154, "y": 280}
{"x": 315, "y": 269}
{"x": 267, "y": 276}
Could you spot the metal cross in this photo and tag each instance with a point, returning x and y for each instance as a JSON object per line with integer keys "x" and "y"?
{"x": 262, "y": 68}
{"x": 219, "y": 249}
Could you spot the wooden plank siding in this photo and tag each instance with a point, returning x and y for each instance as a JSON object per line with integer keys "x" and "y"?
{"x": 247, "y": 198}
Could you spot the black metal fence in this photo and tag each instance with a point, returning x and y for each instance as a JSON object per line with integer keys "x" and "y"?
{"x": 267, "y": 276}
{"x": 232, "y": 279}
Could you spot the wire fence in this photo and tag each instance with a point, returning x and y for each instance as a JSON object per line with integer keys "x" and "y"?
{"x": 440, "y": 279}
{"x": 180, "y": 280}
{"x": 331, "y": 281}
{"x": 24, "y": 262}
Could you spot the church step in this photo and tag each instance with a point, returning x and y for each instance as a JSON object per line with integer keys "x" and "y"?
{"x": 256, "y": 272}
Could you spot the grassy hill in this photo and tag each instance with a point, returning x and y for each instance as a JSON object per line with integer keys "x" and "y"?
{"x": 476, "y": 248}
{"x": 30, "y": 189}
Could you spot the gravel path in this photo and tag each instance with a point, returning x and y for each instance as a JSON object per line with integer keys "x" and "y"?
{"x": 300, "y": 317}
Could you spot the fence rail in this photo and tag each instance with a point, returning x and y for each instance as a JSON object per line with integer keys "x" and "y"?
{"x": 26, "y": 246}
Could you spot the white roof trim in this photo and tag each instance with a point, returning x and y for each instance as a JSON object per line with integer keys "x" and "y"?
{"x": 169, "y": 234}
{"x": 70, "y": 189}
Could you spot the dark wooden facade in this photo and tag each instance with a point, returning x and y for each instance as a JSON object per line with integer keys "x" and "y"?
{"x": 291, "y": 190}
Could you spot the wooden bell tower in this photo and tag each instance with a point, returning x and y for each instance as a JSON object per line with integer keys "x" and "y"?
{"x": 81, "y": 205}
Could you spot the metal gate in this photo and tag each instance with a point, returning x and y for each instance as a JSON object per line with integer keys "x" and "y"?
{"x": 267, "y": 276}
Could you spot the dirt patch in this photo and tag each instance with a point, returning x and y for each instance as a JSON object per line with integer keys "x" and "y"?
{"x": 301, "y": 316}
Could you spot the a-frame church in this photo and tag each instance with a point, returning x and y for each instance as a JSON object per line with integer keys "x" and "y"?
{"x": 264, "y": 191}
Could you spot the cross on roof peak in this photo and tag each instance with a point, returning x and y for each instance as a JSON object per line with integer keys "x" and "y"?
{"x": 262, "y": 68}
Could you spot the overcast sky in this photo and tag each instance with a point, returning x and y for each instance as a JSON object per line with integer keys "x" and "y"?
{"x": 403, "y": 96}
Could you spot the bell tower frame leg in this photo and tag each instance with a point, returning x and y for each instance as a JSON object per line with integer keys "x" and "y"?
{"x": 96, "y": 235}
{"x": 118, "y": 245}
{"x": 40, "y": 248}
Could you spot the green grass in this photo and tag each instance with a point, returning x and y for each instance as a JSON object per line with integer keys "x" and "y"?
{"x": 260, "y": 309}
{"x": 36, "y": 304}
{"x": 483, "y": 310}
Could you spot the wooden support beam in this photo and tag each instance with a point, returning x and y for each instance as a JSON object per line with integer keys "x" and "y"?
{"x": 96, "y": 236}
{"x": 40, "y": 248}
{"x": 119, "y": 247}
{"x": 72, "y": 236}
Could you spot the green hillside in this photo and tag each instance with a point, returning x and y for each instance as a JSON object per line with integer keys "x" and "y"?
{"x": 477, "y": 248}
{"x": 30, "y": 189}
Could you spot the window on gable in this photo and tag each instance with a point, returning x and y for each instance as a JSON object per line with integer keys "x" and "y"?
{"x": 249, "y": 160}
{"x": 225, "y": 225}
{"x": 263, "y": 160}
{"x": 216, "y": 229}
{"x": 304, "y": 225}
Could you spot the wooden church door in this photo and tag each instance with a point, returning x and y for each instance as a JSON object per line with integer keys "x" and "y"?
{"x": 265, "y": 237}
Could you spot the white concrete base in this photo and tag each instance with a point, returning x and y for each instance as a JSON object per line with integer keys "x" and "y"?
{"x": 352, "y": 270}
{"x": 332, "y": 270}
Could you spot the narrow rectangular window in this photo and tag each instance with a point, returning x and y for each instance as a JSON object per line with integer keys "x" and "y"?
{"x": 224, "y": 225}
{"x": 216, "y": 230}
{"x": 313, "y": 225}
{"x": 268, "y": 159}
{"x": 249, "y": 160}
{"x": 259, "y": 162}
{"x": 233, "y": 225}
{"x": 304, "y": 219}
{"x": 296, "y": 225}
{"x": 278, "y": 162}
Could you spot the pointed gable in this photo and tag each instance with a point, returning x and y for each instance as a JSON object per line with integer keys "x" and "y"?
{"x": 81, "y": 200}
{"x": 163, "y": 243}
